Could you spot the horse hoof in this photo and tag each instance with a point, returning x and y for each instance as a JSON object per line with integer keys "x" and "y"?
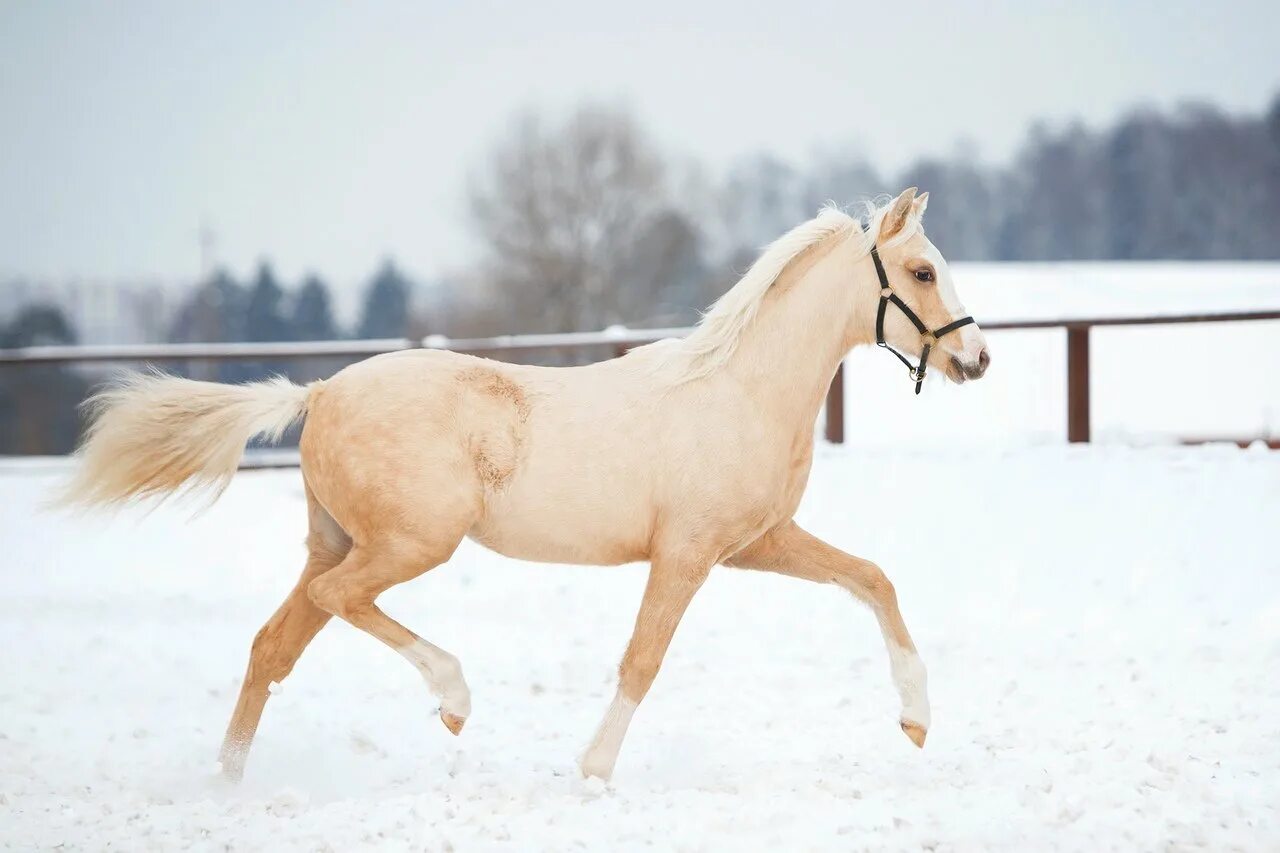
{"x": 915, "y": 731}
{"x": 594, "y": 769}
{"x": 230, "y": 764}
{"x": 452, "y": 722}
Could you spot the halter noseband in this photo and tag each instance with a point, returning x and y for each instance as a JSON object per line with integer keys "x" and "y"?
{"x": 930, "y": 338}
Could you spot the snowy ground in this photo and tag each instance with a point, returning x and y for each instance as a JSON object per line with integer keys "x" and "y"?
{"x": 1102, "y": 627}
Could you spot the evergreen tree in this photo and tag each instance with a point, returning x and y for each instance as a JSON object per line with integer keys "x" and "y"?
{"x": 264, "y": 316}
{"x": 312, "y": 317}
{"x": 214, "y": 313}
{"x": 38, "y": 325}
{"x": 38, "y": 404}
{"x": 386, "y": 304}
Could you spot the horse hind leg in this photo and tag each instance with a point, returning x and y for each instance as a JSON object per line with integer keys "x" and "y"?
{"x": 371, "y": 568}
{"x": 281, "y": 641}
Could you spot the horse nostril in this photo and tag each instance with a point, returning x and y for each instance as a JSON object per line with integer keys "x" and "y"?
{"x": 984, "y": 359}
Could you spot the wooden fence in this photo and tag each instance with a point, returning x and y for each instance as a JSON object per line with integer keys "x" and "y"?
{"x": 611, "y": 342}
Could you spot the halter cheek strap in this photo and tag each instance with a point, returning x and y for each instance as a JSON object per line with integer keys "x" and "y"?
{"x": 928, "y": 338}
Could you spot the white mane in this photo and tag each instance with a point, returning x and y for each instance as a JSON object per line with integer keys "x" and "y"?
{"x": 716, "y": 337}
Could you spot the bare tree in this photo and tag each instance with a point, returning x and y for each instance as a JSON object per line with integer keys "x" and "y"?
{"x": 566, "y": 212}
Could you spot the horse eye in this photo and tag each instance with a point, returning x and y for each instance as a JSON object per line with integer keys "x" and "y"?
{"x": 924, "y": 275}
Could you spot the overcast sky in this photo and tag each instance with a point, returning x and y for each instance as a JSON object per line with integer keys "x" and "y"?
{"x": 326, "y": 136}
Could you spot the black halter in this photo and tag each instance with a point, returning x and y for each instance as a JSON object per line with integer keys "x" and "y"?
{"x": 930, "y": 338}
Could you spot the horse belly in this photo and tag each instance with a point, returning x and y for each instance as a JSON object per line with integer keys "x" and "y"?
{"x": 565, "y": 522}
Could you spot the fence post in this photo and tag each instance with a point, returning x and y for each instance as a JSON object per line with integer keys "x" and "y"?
{"x": 835, "y": 407}
{"x": 1077, "y": 383}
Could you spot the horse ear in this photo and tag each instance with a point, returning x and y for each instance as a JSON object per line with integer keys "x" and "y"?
{"x": 896, "y": 218}
{"x": 920, "y": 204}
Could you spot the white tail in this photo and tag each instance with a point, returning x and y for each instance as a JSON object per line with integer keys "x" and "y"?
{"x": 152, "y": 435}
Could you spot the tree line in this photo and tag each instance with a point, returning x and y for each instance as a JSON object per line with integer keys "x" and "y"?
{"x": 583, "y": 221}
{"x": 38, "y": 402}
{"x": 223, "y": 309}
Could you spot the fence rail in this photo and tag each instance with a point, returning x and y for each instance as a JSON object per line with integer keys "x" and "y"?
{"x": 617, "y": 342}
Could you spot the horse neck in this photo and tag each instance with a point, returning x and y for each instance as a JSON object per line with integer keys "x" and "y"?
{"x": 822, "y": 305}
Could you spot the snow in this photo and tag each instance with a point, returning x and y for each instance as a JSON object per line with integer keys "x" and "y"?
{"x": 1053, "y": 291}
{"x": 1101, "y": 626}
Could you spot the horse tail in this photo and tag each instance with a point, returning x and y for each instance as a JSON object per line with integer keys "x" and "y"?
{"x": 151, "y": 435}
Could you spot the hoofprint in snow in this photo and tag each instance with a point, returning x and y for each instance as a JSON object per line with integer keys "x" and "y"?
{"x": 1101, "y": 627}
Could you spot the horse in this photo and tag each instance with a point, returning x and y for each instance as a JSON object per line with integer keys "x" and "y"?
{"x": 685, "y": 453}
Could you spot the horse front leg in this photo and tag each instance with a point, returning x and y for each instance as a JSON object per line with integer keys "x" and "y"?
{"x": 671, "y": 586}
{"x": 790, "y": 550}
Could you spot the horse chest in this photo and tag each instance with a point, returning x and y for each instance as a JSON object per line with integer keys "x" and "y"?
{"x": 769, "y": 494}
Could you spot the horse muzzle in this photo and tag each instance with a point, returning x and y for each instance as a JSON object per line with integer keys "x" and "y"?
{"x": 961, "y": 370}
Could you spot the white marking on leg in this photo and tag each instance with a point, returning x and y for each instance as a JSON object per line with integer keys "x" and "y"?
{"x": 912, "y": 681}
{"x": 443, "y": 674}
{"x": 602, "y": 754}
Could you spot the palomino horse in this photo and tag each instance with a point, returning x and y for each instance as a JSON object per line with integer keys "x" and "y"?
{"x": 682, "y": 453}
